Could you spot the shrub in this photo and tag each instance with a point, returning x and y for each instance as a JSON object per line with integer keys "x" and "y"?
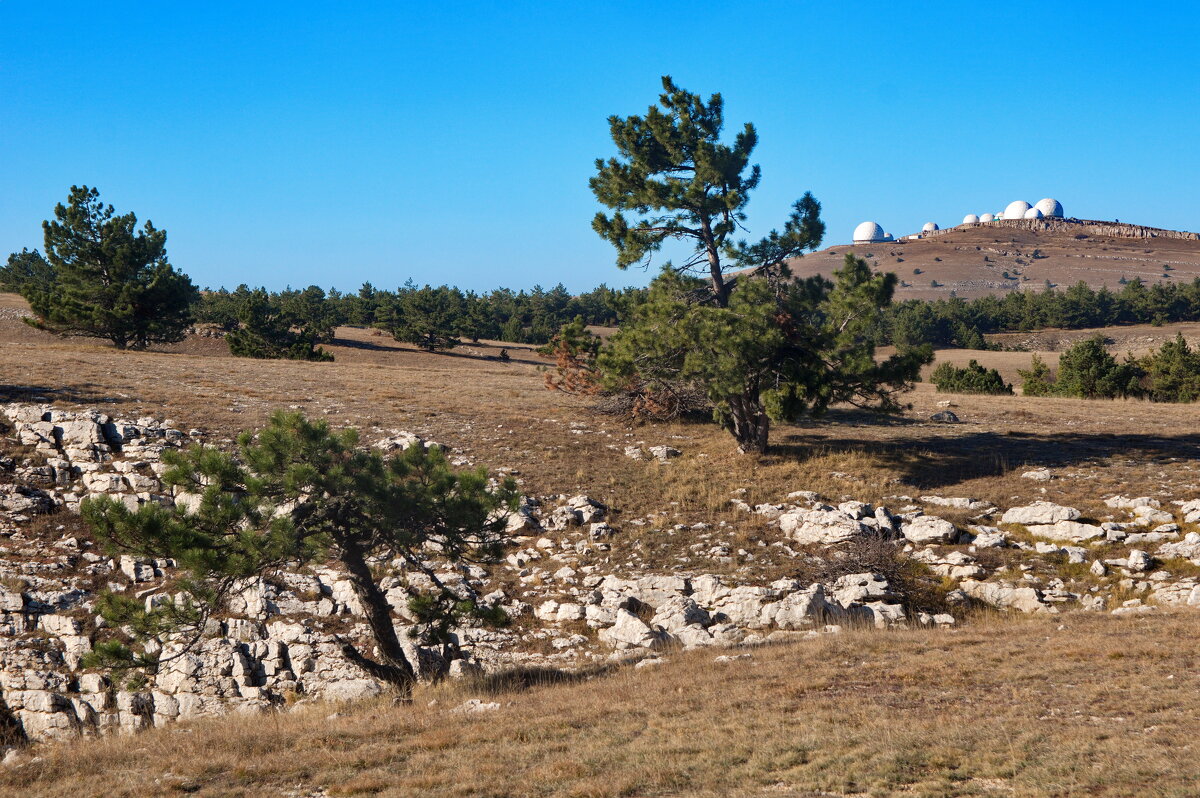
{"x": 974, "y": 378}
{"x": 1173, "y": 372}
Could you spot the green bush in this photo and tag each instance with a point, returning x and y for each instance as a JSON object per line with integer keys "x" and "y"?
{"x": 1086, "y": 370}
{"x": 974, "y": 378}
{"x": 1173, "y": 372}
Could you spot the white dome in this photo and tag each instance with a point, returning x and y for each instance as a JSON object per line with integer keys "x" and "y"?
{"x": 1016, "y": 209}
{"x": 1050, "y": 207}
{"x": 868, "y": 231}
{"x": 888, "y": 237}
{"x": 988, "y": 217}
{"x": 929, "y": 227}
{"x": 1033, "y": 213}
{"x": 970, "y": 218}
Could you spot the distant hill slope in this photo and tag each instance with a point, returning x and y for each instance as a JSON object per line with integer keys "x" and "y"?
{"x": 973, "y": 260}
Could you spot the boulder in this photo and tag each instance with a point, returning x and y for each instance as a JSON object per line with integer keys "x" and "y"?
{"x": 1071, "y": 531}
{"x": 929, "y": 529}
{"x": 1005, "y": 596}
{"x": 1039, "y": 513}
{"x": 629, "y": 631}
{"x": 821, "y": 525}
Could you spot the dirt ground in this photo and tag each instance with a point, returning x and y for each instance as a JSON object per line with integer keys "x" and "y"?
{"x": 972, "y": 262}
{"x": 500, "y": 415}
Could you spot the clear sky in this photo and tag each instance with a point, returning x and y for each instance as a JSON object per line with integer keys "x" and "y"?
{"x": 451, "y": 142}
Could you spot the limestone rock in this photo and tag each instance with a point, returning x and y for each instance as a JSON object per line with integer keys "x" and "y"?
{"x": 1072, "y": 531}
{"x": 929, "y": 529}
{"x": 821, "y": 525}
{"x": 1039, "y": 513}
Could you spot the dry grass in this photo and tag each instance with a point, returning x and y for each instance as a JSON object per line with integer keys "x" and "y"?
{"x": 972, "y": 262}
{"x": 1085, "y": 705}
{"x": 500, "y": 414}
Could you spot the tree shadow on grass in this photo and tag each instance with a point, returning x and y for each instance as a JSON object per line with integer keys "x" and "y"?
{"x": 932, "y": 461}
{"x": 526, "y": 678}
{"x": 371, "y": 346}
{"x": 41, "y": 394}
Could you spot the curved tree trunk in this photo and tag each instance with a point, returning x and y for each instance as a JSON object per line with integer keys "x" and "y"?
{"x": 393, "y": 667}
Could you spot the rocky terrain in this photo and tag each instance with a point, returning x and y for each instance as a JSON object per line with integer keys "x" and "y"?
{"x": 573, "y": 590}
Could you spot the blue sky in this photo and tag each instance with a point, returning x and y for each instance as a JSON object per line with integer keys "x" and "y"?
{"x": 334, "y": 143}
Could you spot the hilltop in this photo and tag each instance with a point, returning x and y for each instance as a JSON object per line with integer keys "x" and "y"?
{"x": 975, "y": 260}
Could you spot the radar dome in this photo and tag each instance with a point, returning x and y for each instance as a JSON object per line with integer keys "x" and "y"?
{"x": 1016, "y": 209}
{"x": 929, "y": 227}
{"x": 970, "y": 218}
{"x": 1033, "y": 213}
{"x": 1050, "y": 207}
{"x": 868, "y": 232}
{"x": 987, "y": 217}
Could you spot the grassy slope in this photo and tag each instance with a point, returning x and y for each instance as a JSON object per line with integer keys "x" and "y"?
{"x": 1083, "y": 705}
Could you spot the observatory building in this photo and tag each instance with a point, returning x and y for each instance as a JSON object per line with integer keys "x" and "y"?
{"x": 868, "y": 232}
{"x": 1048, "y": 208}
{"x": 1016, "y": 209}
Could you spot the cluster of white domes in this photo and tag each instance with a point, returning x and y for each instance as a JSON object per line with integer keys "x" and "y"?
{"x": 1020, "y": 209}
{"x": 870, "y": 232}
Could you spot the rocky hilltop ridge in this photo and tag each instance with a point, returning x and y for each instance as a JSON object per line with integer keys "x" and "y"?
{"x": 995, "y": 258}
{"x": 571, "y": 603}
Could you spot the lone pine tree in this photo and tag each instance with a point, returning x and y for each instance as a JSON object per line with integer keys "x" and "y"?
{"x": 761, "y": 345}
{"x": 103, "y": 278}
{"x": 294, "y": 493}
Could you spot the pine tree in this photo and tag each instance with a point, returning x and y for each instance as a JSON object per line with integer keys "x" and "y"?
{"x": 1037, "y": 381}
{"x": 1173, "y": 372}
{"x": 269, "y": 332}
{"x": 105, "y": 279}
{"x": 295, "y": 493}
{"x": 759, "y": 345}
{"x": 429, "y": 317}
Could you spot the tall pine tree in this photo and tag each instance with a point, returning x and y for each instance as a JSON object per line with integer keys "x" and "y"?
{"x": 104, "y": 278}
{"x": 760, "y": 345}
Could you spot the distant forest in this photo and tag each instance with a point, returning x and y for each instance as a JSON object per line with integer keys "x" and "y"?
{"x": 535, "y": 316}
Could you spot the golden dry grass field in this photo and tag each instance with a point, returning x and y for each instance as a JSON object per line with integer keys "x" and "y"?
{"x": 1071, "y": 706}
{"x": 1084, "y": 705}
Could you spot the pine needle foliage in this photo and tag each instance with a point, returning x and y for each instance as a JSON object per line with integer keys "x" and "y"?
{"x": 972, "y": 378}
{"x": 759, "y": 345}
{"x": 272, "y": 329}
{"x": 101, "y": 277}
{"x": 298, "y": 492}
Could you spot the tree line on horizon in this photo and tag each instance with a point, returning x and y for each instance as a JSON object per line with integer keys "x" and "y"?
{"x": 728, "y": 329}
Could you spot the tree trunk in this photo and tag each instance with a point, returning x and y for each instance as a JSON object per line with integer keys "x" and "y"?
{"x": 748, "y": 423}
{"x": 394, "y": 668}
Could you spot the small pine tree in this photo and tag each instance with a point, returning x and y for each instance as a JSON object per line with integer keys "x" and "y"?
{"x": 973, "y": 378}
{"x": 1173, "y": 372}
{"x": 295, "y": 493}
{"x": 1088, "y": 371}
{"x": 1037, "y": 381}
{"x": 574, "y": 351}
{"x": 267, "y": 332}
{"x": 429, "y": 317}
